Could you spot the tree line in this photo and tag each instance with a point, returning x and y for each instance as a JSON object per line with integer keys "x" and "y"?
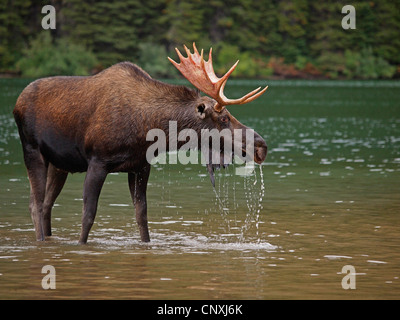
{"x": 276, "y": 38}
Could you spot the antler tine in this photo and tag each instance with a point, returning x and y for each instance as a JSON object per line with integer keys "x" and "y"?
{"x": 173, "y": 62}
{"x": 196, "y": 53}
{"x": 210, "y": 69}
{"x": 223, "y": 101}
{"x": 226, "y": 76}
{"x": 195, "y": 49}
{"x": 246, "y": 96}
{"x": 180, "y": 58}
{"x": 251, "y": 98}
{"x": 189, "y": 55}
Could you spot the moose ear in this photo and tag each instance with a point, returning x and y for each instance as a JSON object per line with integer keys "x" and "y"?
{"x": 201, "y": 111}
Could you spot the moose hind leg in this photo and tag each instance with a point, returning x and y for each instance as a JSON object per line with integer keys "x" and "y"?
{"x": 37, "y": 174}
{"x": 94, "y": 180}
{"x": 55, "y": 182}
{"x": 137, "y": 186}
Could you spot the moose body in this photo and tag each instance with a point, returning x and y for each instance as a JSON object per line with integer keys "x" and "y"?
{"x": 98, "y": 124}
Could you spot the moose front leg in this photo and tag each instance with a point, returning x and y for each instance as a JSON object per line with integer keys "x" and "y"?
{"x": 137, "y": 186}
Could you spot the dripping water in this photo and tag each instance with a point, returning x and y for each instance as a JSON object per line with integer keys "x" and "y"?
{"x": 253, "y": 194}
{"x": 223, "y": 201}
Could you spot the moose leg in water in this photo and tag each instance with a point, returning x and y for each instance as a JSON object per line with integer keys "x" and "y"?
{"x": 137, "y": 187}
{"x": 37, "y": 173}
{"x": 94, "y": 180}
{"x": 55, "y": 181}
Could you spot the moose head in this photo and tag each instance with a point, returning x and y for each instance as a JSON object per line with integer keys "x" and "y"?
{"x": 212, "y": 111}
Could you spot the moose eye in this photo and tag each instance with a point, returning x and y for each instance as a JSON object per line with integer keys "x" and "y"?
{"x": 224, "y": 119}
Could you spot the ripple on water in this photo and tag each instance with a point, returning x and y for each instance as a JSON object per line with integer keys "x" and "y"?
{"x": 181, "y": 242}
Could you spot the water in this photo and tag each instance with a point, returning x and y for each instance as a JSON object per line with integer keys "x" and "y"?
{"x": 327, "y": 196}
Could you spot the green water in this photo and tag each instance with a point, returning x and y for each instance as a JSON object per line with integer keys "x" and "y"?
{"x": 328, "y": 195}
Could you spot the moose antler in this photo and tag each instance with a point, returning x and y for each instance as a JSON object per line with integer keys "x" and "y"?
{"x": 201, "y": 74}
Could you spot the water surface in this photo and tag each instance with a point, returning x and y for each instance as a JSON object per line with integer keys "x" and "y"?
{"x": 327, "y": 196}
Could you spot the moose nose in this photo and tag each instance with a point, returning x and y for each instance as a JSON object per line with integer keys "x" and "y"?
{"x": 260, "y": 150}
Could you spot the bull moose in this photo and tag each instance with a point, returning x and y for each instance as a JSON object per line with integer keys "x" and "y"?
{"x": 97, "y": 124}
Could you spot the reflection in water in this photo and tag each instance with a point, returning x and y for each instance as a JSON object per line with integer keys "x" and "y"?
{"x": 327, "y": 196}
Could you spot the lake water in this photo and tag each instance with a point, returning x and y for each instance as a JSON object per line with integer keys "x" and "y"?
{"x": 327, "y": 196}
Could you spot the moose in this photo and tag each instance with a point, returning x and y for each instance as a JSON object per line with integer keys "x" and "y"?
{"x": 97, "y": 124}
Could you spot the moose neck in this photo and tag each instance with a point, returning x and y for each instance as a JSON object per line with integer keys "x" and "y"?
{"x": 174, "y": 108}
{"x": 172, "y": 117}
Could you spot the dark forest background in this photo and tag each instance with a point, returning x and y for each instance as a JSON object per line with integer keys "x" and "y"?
{"x": 272, "y": 39}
